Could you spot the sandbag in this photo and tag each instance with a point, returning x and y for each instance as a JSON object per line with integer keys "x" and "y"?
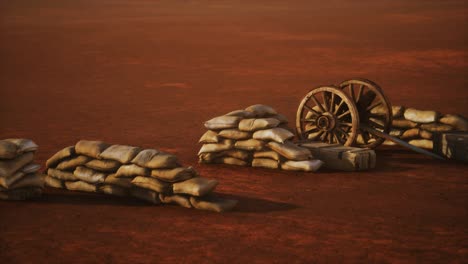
{"x": 231, "y": 161}
{"x": 290, "y": 151}
{"x": 174, "y": 175}
{"x": 105, "y": 165}
{"x": 267, "y": 154}
{"x": 276, "y": 134}
{"x": 261, "y": 110}
{"x": 436, "y": 127}
{"x": 456, "y": 121}
{"x": 10, "y": 166}
{"x": 121, "y": 153}
{"x": 59, "y": 156}
{"x": 422, "y": 143}
{"x": 29, "y": 180}
{"x": 396, "y": 132}
{"x": 238, "y": 154}
{"x": 305, "y": 165}
{"x": 89, "y": 175}
{"x": 5, "y": 182}
{"x": 53, "y": 182}
{"x": 213, "y": 203}
{"x": 196, "y": 186}
{"x": 153, "y": 159}
{"x": 90, "y": 148}
{"x": 145, "y": 194}
{"x": 283, "y": 119}
{"x": 113, "y": 190}
{"x": 152, "y": 184}
{"x": 410, "y": 133}
{"x": 265, "y": 163}
{"x": 209, "y": 157}
{"x": 241, "y": 113}
{"x": 222, "y": 122}
{"x": 224, "y": 145}
{"x": 234, "y": 134}
{"x": 420, "y": 116}
{"x": 131, "y": 171}
{"x": 31, "y": 168}
{"x": 73, "y": 163}
{"x": 178, "y": 199}
{"x": 21, "y": 194}
{"x": 122, "y": 182}
{"x": 62, "y": 175}
{"x": 7, "y": 149}
{"x": 397, "y": 111}
{"x": 250, "y": 145}
{"x": 80, "y": 186}
{"x": 425, "y": 134}
{"x": 210, "y": 136}
{"x": 254, "y": 124}
{"x": 23, "y": 144}
{"x": 403, "y": 123}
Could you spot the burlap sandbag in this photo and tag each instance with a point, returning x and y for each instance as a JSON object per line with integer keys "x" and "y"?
{"x": 238, "y": 154}
{"x": 145, "y": 195}
{"x": 210, "y": 136}
{"x": 265, "y": 163}
{"x": 436, "y": 127}
{"x": 222, "y": 122}
{"x": 421, "y": 116}
{"x": 222, "y": 146}
{"x": 254, "y": 124}
{"x": 10, "y": 166}
{"x": 103, "y": 165}
{"x": 305, "y": 165}
{"x": 121, "y": 153}
{"x": 250, "y": 145}
{"x": 89, "y": 175}
{"x": 458, "y": 122}
{"x": 21, "y": 194}
{"x": 267, "y": 154}
{"x": 6, "y": 182}
{"x": 53, "y": 182}
{"x": 23, "y": 145}
{"x": 283, "y": 119}
{"x": 396, "y": 132}
{"x": 7, "y": 149}
{"x": 241, "y": 113}
{"x": 261, "y": 110}
{"x": 80, "y": 186}
{"x": 403, "y": 123}
{"x": 31, "y": 168}
{"x": 213, "y": 203}
{"x": 290, "y": 151}
{"x": 425, "y": 134}
{"x": 397, "y": 111}
{"x": 90, "y": 148}
{"x": 152, "y": 184}
{"x": 196, "y": 186}
{"x": 234, "y": 134}
{"x": 154, "y": 159}
{"x": 231, "y": 161}
{"x": 62, "y": 175}
{"x": 209, "y": 157}
{"x": 422, "y": 143}
{"x": 131, "y": 171}
{"x": 114, "y": 190}
{"x": 29, "y": 180}
{"x": 410, "y": 133}
{"x": 276, "y": 134}
{"x": 72, "y": 163}
{"x": 174, "y": 175}
{"x": 178, "y": 199}
{"x": 122, "y": 182}
{"x": 59, "y": 156}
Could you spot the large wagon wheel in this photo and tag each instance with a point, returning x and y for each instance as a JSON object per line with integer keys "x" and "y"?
{"x": 329, "y": 115}
{"x": 374, "y": 110}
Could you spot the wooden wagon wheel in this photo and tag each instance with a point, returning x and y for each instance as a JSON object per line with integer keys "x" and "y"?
{"x": 329, "y": 115}
{"x": 374, "y": 110}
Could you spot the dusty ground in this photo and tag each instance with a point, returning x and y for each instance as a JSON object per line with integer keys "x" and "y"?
{"x": 148, "y": 73}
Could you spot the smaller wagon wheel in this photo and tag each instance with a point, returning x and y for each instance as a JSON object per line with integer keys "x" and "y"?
{"x": 329, "y": 115}
{"x": 374, "y": 110}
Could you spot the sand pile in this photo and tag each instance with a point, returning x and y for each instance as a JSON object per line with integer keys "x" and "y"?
{"x": 256, "y": 136}
{"x": 19, "y": 176}
{"x": 148, "y": 174}
{"x": 418, "y": 127}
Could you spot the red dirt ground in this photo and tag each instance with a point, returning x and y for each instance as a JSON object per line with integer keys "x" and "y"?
{"x": 148, "y": 73}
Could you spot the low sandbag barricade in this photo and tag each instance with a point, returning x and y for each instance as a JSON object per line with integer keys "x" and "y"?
{"x": 147, "y": 174}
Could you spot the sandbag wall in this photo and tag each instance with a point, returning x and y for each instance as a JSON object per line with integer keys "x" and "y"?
{"x": 19, "y": 176}
{"x": 256, "y": 136}
{"x": 418, "y": 127}
{"x": 147, "y": 174}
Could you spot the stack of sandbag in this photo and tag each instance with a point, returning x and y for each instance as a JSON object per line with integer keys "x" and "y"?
{"x": 418, "y": 127}
{"x": 256, "y": 136}
{"x": 148, "y": 174}
{"x": 19, "y": 176}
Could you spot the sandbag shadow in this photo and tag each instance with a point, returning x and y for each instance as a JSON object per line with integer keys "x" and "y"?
{"x": 257, "y": 205}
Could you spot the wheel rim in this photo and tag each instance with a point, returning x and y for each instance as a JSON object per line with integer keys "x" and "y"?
{"x": 373, "y": 107}
{"x": 329, "y": 115}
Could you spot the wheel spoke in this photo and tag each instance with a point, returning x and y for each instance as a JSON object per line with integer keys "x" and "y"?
{"x": 375, "y": 124}
{"x": 351, "y": 91}
{"x": 330, "y": 138}
{"x": 308, "y": 120}
{"x": 373, "y": 105}
{"x": 323, "y": 136}
{"x": 338, "y": 107}
{"x": 365, "y": 137}
{"x": 336, "y": 138}
{"x": 311, "y": 110}
{"x": 343, "y": 114}
{"x": 332, "y": 102}
{"x": 317, "y": 103}
{"x": 359, "y": 93}
{"x": 325, "y": 101}
{"x": 310, "y": 130}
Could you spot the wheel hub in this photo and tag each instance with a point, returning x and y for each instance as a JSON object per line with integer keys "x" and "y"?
{"x": 326, "y": 122}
